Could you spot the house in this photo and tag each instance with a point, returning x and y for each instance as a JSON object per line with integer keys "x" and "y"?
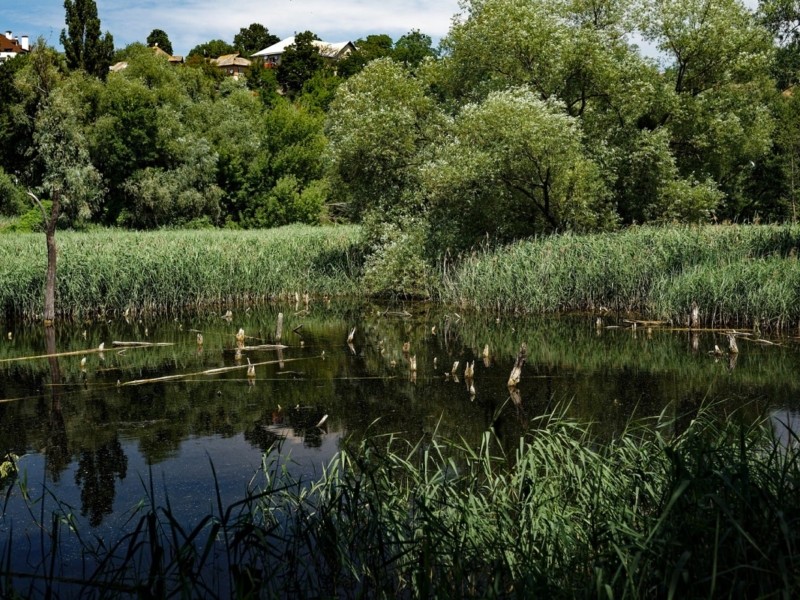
{"x": 173, "y": 60}
{"x": 232, "y": 65}
{"x": 11, "y": 46}
{"x": 332, "y": 51}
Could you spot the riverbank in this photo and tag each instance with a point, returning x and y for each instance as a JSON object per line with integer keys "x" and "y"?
{"x": 738, "y": 275}
{"x": 169, "y": 272}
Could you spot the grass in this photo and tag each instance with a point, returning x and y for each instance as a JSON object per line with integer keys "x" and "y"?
{"x": 175, "y": 271}
{"x": 737, "y": 274}
{"x": 709, "y": 510}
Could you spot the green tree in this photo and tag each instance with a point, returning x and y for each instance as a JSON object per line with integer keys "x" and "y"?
{"x": 211, "y": 49}
{"x": 782, "y": 19}
{"x": 514, "y": 166}
{"x": 253, "y": 38}
{"x": 159, "y": 37}
{"x": 299, "y": 62}
{"x": 718, "y": 72}
{"x": 84, "y": 47}
{"x": 414, "y": 47}
{"x": 380, "y": 127}
{"x": 367, "y": 49}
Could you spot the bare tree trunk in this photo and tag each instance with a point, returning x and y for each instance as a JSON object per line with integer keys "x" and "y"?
{"x": 52, "y": 255}
{"x": 516, "y": 372}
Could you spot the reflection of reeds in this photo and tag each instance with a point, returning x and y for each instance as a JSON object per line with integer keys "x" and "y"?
{"x": 660, "y": 511}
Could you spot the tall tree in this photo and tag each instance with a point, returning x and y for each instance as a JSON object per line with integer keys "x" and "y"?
{"x": 159, "y": 37}
{"x": 253, "y": 38}
{"x": 299, "y": 63}
{"x": 85, "y": 48}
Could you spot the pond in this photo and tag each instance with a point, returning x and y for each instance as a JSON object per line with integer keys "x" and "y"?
{"x": 97, "y": 432}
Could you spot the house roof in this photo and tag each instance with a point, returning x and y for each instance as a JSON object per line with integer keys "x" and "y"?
{"x": 326, "y": 49}
{"x": 7, "y": 45}
{"x": 159, "y": 52}
{"x": 230, "y": 60}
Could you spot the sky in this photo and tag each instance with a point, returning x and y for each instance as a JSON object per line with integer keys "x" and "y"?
{"x": 192, "y": 22}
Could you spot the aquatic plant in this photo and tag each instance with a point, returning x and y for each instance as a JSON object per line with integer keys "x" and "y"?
{"x": 704, "y": 509}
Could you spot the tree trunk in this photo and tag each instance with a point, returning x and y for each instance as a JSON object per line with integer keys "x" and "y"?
{"x": 52, "y": 254}
{"x": 52, "y": 257}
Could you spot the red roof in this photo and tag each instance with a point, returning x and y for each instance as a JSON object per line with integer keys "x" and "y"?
{"x": 7, "y": 45}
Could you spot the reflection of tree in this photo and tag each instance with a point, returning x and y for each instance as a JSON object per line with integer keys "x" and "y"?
{"x": 260, "y": 436}
{"x": 57, "y": 445}
{"x": 96, "y": 472}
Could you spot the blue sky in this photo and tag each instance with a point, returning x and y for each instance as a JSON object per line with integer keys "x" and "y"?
{"x": 189, "y": 23}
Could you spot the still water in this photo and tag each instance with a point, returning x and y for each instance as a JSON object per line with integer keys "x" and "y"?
{"x": 97, "y": 432}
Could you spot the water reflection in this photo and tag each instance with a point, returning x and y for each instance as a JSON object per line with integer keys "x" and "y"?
{"x": 370, "y": 369}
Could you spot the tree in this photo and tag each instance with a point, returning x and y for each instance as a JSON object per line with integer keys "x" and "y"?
{"x": 84, "y": 47}
{"x": 514, "y": 166}
{"x": 367, "y": 49}
{"x": 299, "y": 63}
{"x": 158, "y": 37}
{"x": 211, "y": 49}
{"x": 251, "y": 39}
{"x": 782, "y": 19}
{"x": 414, "y": 47}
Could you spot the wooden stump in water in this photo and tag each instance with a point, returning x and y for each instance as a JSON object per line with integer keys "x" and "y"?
{"x": 516, "y": 372}
{"x": 279, "y": 328}
{"x": 694, "y": 317}
{"x": 732, "y": 344}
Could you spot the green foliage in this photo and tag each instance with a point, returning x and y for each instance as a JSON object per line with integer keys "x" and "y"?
{"x": 514, "y": 166}
{"x": 211, "y": 49}
{"x": 367, "y": 49}
{"x": 397, "y": 264}
{"x": 253, "y": 38}
{"x": 84, "y": 47}
{"x": 299, "y": 62}
{"x": 413, "y": 48}
{"x": 13, "y": 200}
{"x": 159, "y": 37}
{"x": 379, "y": 126}
{"x": 30, "y": 221}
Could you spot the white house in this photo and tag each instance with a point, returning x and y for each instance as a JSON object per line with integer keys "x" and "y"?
{"x": 11, "y": 46}
{"x": 333, "y": 51}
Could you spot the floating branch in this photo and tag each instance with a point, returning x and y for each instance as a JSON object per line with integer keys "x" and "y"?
{"x": 217, "y": 371}
{"x": 145, "y": 344}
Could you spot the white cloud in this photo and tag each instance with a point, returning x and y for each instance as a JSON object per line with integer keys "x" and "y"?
{"x": 192, "y": 23}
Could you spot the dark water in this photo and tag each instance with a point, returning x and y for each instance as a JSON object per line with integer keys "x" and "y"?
{"x": 93, "y": 445}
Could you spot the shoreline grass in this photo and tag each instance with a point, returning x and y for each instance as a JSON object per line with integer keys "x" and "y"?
{"x": 709, "y": 510}
{"x": 173, "y": 271}
{"x": 738, "y": 274}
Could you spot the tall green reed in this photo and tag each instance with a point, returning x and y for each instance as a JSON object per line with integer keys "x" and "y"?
{"x": 701, "y": 506}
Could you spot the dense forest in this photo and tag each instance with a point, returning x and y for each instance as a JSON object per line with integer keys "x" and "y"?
{"x": 530, "y": 117}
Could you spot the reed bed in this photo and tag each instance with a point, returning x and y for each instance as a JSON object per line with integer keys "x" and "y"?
{"x": 710, "y": 510}
{"x": 171, "y": 271}
{"x": 737, "y": 274}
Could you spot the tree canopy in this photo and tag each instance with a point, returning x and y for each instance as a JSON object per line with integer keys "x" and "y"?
{"x": 253, "y": 38}
{"x": 159, "y": 37}
{"x": 84, "y": 47}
